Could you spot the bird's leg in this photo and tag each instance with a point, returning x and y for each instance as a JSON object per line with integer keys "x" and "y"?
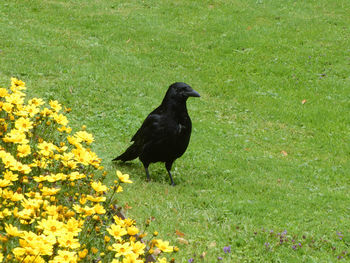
{"x": 147, "y": 173}
{"x": 168, "y": 168}
{"x": 171, "y": 178}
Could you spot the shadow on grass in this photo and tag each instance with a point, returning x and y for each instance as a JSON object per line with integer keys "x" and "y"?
{"x": 157, "y": 172}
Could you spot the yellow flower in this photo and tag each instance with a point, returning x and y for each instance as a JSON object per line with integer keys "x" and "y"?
{"x": 119, "y": 221}
{"x": 99, "y": 209}
{"x": 12, "y": 231}
{"x": 60, "y": 119}
{"x": 46, "y": 148}
{"x": 36, "y": 244}
{"x": 51, "y": 210}
{"x": 19, "y": 84}
{"x": 15, "y": 99}
{"x": 68, "y": 241}
{"x": 88, "y": 211}
{"x": 65, "y": 256}
{"x": 56, "y": 177}
{"x": 23, "y": 124}
{"x": 31, "y": 110}
{"x": 99, "y": 187}
{"x": 78, "y": 208}
{"x": 68, "y": 161}
{"x": 76, "y": 176}
{"x": 96, "y": 199}
{"x": 31, "y": 259}
{"x": 6, "y": 212}
{"x": 83, "y": 200}
{"x": 81, "y": 155}
{"x": 129, "y": 221}
{"x": 46, "y": 112}
{"x": 138, "y": 247}
{"x": 124, "y": 178}
{"x": 5, "y": 183}
{"x": 164, "y": 246}
{"x": 36, "y": 102}
{"x": 16, "y": 136}
{"x": 3, "y": 92}
{"x": 6, "y": 194}
{"x": 23, "y": 150}
{"x": 22, "y": 168}
{"x": 55, "y": 105}
{"x": 6, "y": 106}
{"x": 119, "y": 189}
{"x": 123, "y": 222}
{"x": 82, "y": 254}
{"x": 131, "y": 258}
{"x": 73, "y": 226}
{"x": 68, "y": 130}
{"x": 84, "y": 136}
{"x": 49, "y": 191}
{"x": 39, "y": 178}
{"x": 17, "y": 197}
{"x": 7, "y": 159}
{"x": 122, "y": 249}
{"x": 51, "y": 226}
{"x": 133, "y": 230}
{"x": 117, "y": 231}
{"x": 162, "y": 260}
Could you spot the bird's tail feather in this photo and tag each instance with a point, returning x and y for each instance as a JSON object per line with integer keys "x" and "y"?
{"x": 130, "y": 154}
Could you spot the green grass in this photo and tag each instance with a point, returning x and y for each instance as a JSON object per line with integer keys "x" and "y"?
{"x": 253, "y": 62}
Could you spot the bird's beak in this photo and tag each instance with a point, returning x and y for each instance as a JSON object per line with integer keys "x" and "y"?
{"x": 193, "y": 93}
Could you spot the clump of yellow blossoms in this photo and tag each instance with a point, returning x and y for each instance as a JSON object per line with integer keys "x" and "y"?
{"x": 54, "y": 206}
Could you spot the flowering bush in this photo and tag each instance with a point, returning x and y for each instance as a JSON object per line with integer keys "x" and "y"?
{"x": 54, "y": 206}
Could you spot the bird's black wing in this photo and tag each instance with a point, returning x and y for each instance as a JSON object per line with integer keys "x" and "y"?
{"x": 154, "y": 129}
{"x": 148, "y": 126}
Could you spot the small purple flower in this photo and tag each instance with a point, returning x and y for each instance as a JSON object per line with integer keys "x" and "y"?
{"x": 227, "y": 249}
{"x": 219, "y": 258}
{"x": 300, "y": 245}
{"x": 294, "y": 247}
{"x": 267, "y": 244}
{"x": 340, "y": 235}
{"x": 284, "y": 232}
{"x": 190, "y": 260}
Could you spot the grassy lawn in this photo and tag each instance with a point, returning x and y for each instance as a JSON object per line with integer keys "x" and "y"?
{"x": 267, "y": 169}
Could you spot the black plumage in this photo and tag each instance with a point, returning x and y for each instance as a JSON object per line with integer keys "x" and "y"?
{"x": 165, "y": 133}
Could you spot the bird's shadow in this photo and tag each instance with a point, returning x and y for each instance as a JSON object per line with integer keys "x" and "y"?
{"x": 158, "y": 172}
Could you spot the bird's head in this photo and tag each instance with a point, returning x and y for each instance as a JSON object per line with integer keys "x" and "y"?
{"x": 180, "y": 91}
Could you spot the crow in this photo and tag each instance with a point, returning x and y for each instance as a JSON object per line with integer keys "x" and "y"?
{"x": 165, "y": 133}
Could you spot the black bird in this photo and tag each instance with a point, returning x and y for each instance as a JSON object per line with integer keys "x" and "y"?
{"x": 165, "y": 133}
